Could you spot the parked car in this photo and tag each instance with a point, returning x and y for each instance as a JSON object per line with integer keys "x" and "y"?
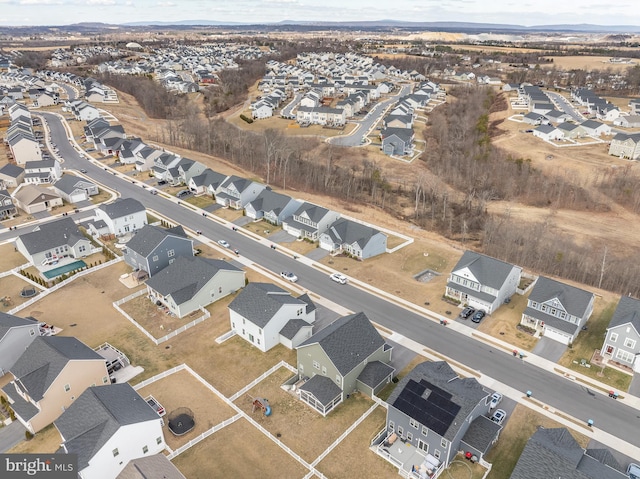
{"x": 224, "y": 244}
{"x": 162, "y": 182}
{"x": 477, "y": 317}
{"x": 633, "y": 471}
{"x": 83, "y": 171}
{"x": 495, "y": 400}
{"x": 289, "y": 276}
{"x": 498, "y": 416}
{"x": 466, "y": 312}
{"x": 153, "y": 192}
{"x": 183, "y": 193}
{"x": 339, "y": 278}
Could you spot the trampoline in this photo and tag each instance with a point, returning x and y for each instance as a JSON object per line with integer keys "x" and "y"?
{"x": 181, "y": 421}
{"x": 28, "y": 292}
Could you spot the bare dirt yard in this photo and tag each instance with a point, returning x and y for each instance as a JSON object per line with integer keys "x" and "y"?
{"x": 10, "y": 289}
{"x": 180, "y": 390}
{"x": 10, "y": 257}
{"x": 587, "y": 63}
{"x": 238, "y": 450}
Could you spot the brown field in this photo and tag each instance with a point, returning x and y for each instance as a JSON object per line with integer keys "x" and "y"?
{"x": 10, "y": 257}
{"x": 587, "y": 63}
{"x": 238, "y": 450}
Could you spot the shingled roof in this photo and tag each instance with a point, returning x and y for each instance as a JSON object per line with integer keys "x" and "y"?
{"x": 122, "y": 207}
{"x": 9, "y": 321}
{"x": 488, "y": 271}
{"x": 259, "y": 302}
{"x": 49, "y": 235}
{"x": 627, "y": 312}
{"x": 149, "y": 237}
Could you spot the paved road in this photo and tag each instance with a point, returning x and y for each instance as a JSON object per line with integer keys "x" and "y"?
{"x": 611, "y": 416}
{"x": 11, "y": 435}
{"x": 287, "y": 111}
{"x": 71, "y": 92}
{"x": 566, "y": 106}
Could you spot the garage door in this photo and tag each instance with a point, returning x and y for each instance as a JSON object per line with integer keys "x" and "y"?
{"x": 556, "y": 335}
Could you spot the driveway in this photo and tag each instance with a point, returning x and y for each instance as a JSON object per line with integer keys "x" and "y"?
{"x": 11, "y": 435}
{"x": 317, "y": 254}
{"x": 400, "y": 356}
{"x": 549, "y": 349}
{"x": 623, "y": 460}
{"x": 634, "y": 388}
{"x": 281, "y": 237}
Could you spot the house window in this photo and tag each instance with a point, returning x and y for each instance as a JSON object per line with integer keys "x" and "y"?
{"x": 171, "y": 253}
{"x": 425, "y": 431}
{"x": 436, "y": 454}
{"x": 145, "y": 449}
{"x": 171, "y": 260}
{"x": 243, "y": 321}
{"x": 409, "y": 437}
{"x": 299, "y": 312}
{"x": 324, "y": 370}
{"x": 443, "y": 442}
{"x": 316, "y": 365}
{"x": 629, "y": 343}
{"x": 220, "y": 289}
{"x": 155, "y": 257}
{"x": 82, "y": 248}
{"x": 614, "y": 337}
{"x": 67, "y": 387}
{"x": 400, "y": 431}
{"x": 338, "y": 379}
{"x": 243, "y": 331}
{"x": 115, "y": 452}
{"x": 413, "y": 423}
{"x": 158, "y": 440}
{"x": 301, "y": 368}
{"x": 105, "y": 379}
{"x": 625, "y": 356}
{"x": 258, "y": 340}
{"x": 391, "y": 426}
{"x": 251, "y": 338}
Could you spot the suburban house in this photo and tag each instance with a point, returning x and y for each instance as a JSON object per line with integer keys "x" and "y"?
{"x": 625, "y": 145}
{"x": 7, "y": 208}
{"x": 439, "y": 413}
{"x": 482, "y": 282}
{"x": 24, "y": 147}
{"x": 124, "y": 215}
{"x": 622, "y": 340}
{"x": 309, "y": 221}
{"x": 43, "y": 171}
{"x": 49, "y": 375}
{"x": 397, "y": 141}
{"x": 11, "y": 175}
{"x": 50, "y": 243}
{"x": 74, "y": 189}
{"x": 153, "y": 248}
{"x": 554, "y": 452}
{"x": 595, "y": 128}
{"x": 150, "y": 466}
{"x": 634, "y": 106}
{"x": 35, "y": 199}
{"x": 354, "y": 238}
{"x": 547, "y": 132}
{"x": 271, "y": 206}
{"x": 16, "y": 334}
{"x": 206, "y": 182}
{"x": 557, "y": 310}
{"x": 627, "y": 121}
{"x": 321, "y": 115}
{"x": 191, "y": 283}
{"x": 348, "y": 355}
{"x": 235, "y": 192}
{"x": 266, "y": 315}
{"x": 570, "y": 131}
{"x": 108, "y": 426}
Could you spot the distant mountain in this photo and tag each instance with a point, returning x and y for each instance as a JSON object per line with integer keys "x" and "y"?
{"x": 183, "y": 23}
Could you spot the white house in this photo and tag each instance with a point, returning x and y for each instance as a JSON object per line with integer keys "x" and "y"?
{"x": 15, "y": 335}
{"x": 122, "y": 216}
{"x": 266, "y": 315}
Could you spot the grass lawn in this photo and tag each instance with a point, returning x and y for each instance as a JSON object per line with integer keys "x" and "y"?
{"x": 340, "y": 462}
{"x": 238, "y": 450}
{"x": 295, "y": 422}
{"x": 9, "y": 257}
{"x": 503, "y": 324}
{"x": 183, "y": 390}
{"x": 228, "y": 214}
{"x": 262, "y": 228}
{"x": 47, "y": 440}
{"x": 102, "y": 196}
{"x": 301, "y": 247}
{"x": 513, "y": 438}
{"x": 460, "y": 468}
{"x": 590, "y": 340}
{"x": 388, "y": 389}
{"x": 200, "y": 201}
{"x": 10, "y": 288}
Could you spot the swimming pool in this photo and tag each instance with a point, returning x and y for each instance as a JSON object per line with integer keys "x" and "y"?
{"x": 52, "y": 273}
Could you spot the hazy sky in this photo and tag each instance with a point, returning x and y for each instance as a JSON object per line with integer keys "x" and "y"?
{"x": 525, "y": 12}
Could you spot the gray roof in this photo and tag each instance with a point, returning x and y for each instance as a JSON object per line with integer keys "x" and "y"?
{"x": 345, "y": 231}
{"x": 9, "y": 321}
{"x": 49, "y": 235}
{"x": 11, "y": 170}
{"x": 69, "y": 183}
{"x": 348, "y": 341}
{"x": 209, "y": 178}
{"x": 122, "y": 207}
{"x": 482, "y": 433}
{"x": 310, "y": 304}
{"x": 314, "y": 212}
{"x": 574, "y": 301}
{"x": 322, "y": 388}
{"x": 260, "y": 302}
{"x": 591, "y": 124}
{"x": 183, "y": 278}
{"x": 23, "y": 408}
{"x": 374, "y": 373}
{"x": 45, "y": 358}
{"x": 405, "y": 134}
{"x": 40, "y": 164}
{"x": 268, "y": 200}
{"x": 150, "y": 467}
{"x": 97, "y": 414}
{"x": 292, "y": 327}
{"x": 551, "y": 321}
{"x": 463, "y": 393}
{"x": 628, "y": 311}
{"x": 551, "y": 453}
{"x": 149, "y": 237}
{"x": 488, "y": 271}
{"x": 545, "y": 128}
{"x": 239, "y": 183}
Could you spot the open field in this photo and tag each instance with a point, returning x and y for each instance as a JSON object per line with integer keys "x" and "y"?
{"x": 587, "y": 63}
{"x": 10, "y": 257}
{"x": 238, "y": 450}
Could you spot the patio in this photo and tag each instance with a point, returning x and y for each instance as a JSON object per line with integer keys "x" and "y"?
{"x": 406, "y": 457}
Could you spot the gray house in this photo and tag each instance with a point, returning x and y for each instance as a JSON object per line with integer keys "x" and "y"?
{"x": 557, "y": 310}
{"x": 74, "y": 189}
{"x": 271, "y": 206}
{"x": 433, "y": 409}
{"x": 153, "y": 248}
{"x": 7, "y": 208}
{"x": 622, "y": 340}
{"x": 397, "y": 141}
{"x": 552, "y": 453}
{"x": 309, "y": 221}
{"x": 15, "y": 335}
{"x": 348, "y": 355}
{"x": 11, "y": 175}
{"x": 482, "y": 282}
{"x": 353, "y": 238}
{"x": 189, "y": 284}
{"x": 206, "y": 182}
{"x": 236, "y": 192}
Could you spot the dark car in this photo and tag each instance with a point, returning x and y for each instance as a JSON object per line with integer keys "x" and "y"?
{"x": 466, "y": 312}
{"x": 477, "y": 317}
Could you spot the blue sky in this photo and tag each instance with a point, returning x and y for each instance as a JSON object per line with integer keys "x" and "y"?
{"x": 521, "y": 12}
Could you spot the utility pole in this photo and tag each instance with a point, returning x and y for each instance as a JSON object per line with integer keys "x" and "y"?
{"x": 604, "y": 261}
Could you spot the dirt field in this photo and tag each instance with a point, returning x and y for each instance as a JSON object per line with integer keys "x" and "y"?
{"x": 587, "y": 63}
{"x": 183, "y": 390}
{"x": 295, "y": 422}
{"x": 10, "y": 288}
{"x": 10, "y": 258}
